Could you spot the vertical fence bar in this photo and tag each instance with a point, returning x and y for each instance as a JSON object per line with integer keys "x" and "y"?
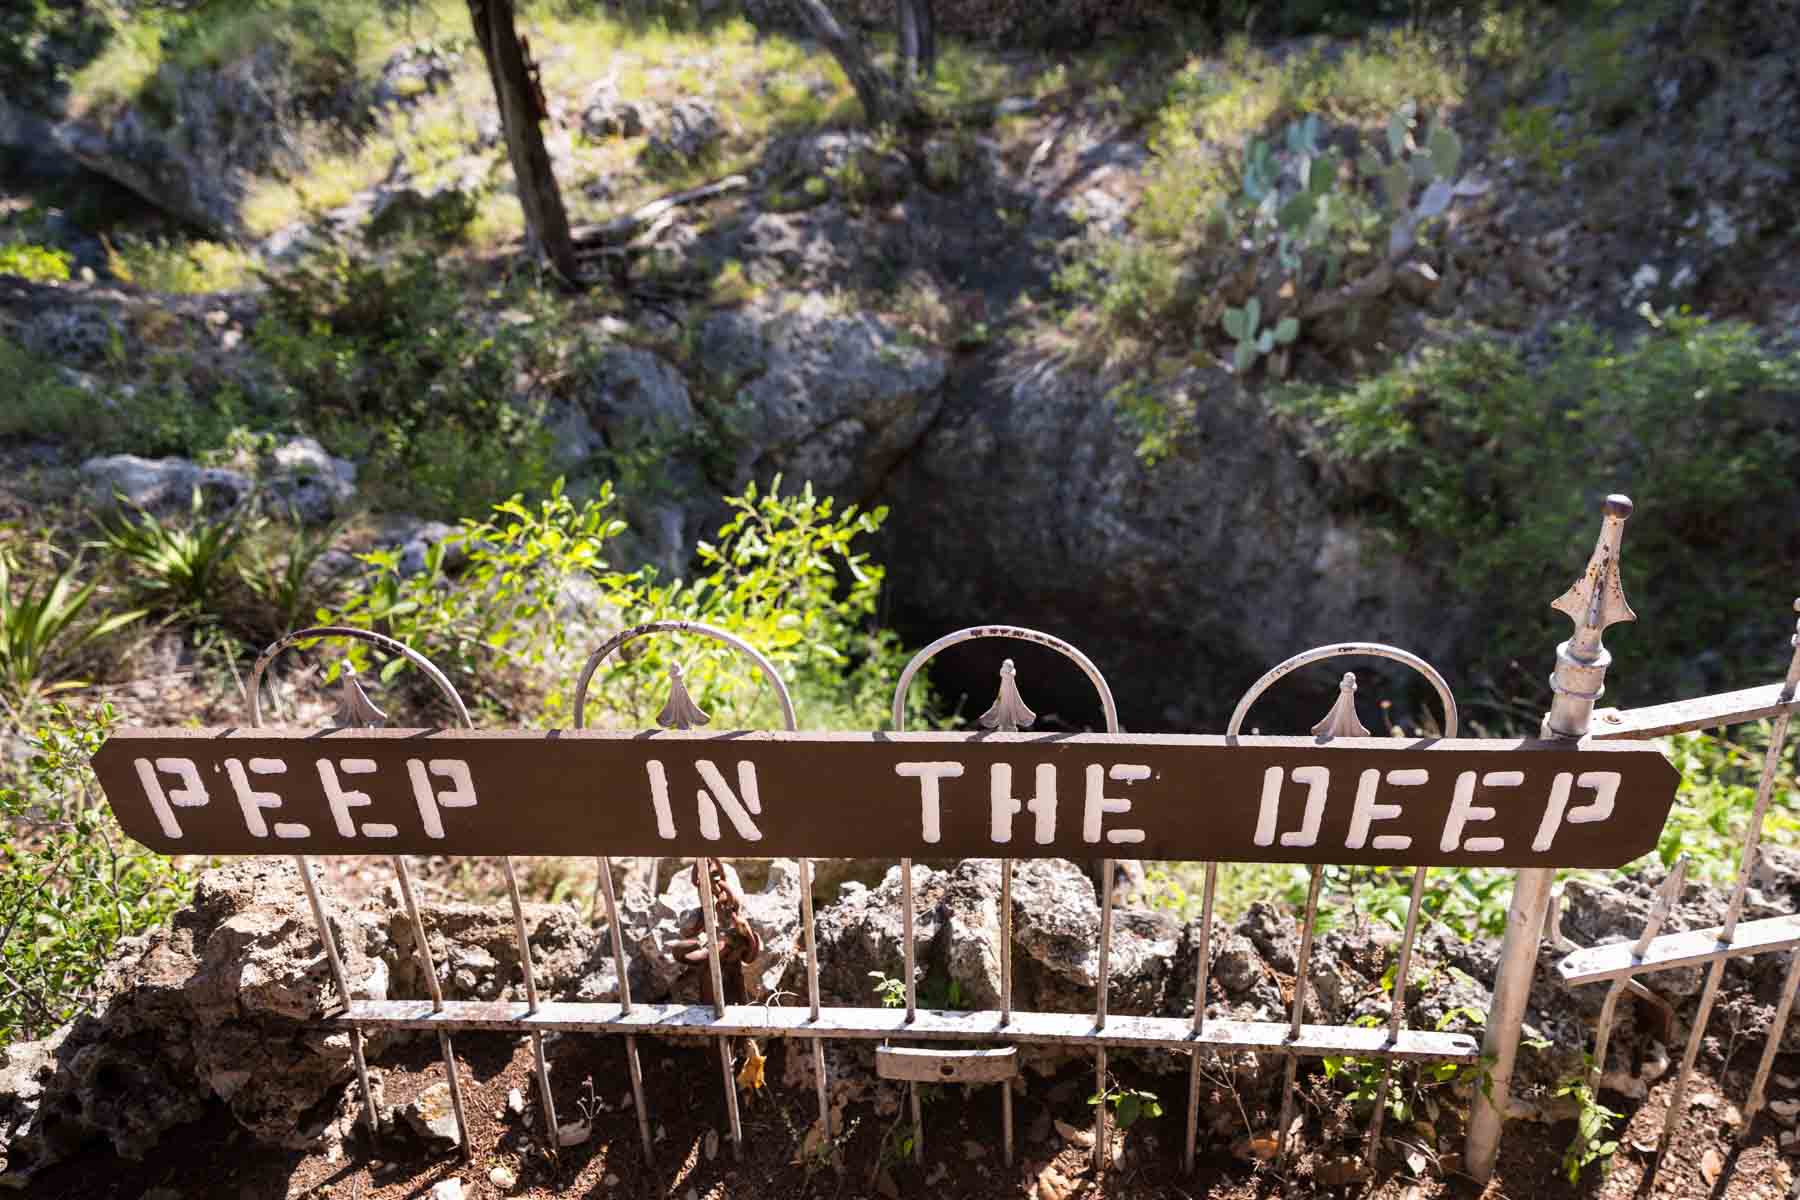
{"x": 1100, "y": 996}
{"x": 703, "y": 877}
{"x": 1659, "y": 912}
{"x": 1006, "y": 1000}
{"x": 1784, "y": 1009}
{"x": 812, "y": 993}
{"x": 908, "y": 968}
{"x": 1594, "y": 602}
{"x": 329, "y": 941}
{"x": 1302, "y": 968}
{"x": 1397, "y": 1012}
{"x": 1202, "y": 975}
{"x": 446, "y": 1050}
{"x": 632, "y": 1062}
{"x": 540, "y": 1063}
{"x": 1765, "y": 789}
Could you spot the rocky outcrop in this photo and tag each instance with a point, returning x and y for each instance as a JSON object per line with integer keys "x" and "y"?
{"x": 193, "y": 140}
{"x": 222, "y": 1005}
{"x": 827, "y": 395}
{"x": 1187, "y": 579}
{"x": 296, "y": 476}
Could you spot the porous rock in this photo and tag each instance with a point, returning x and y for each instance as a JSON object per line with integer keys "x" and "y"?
{"x": 160, "y": 484}
{"x": 222, "y": 1004}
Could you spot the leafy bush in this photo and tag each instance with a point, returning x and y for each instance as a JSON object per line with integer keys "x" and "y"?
{"x": 1492, "y": 464}
{"x": 71, "y": 883}
{"x": 394, "y": 368}
{"x": 39, "y": 264}
{"x": 179, "y": 266}
{"x": 783, "y": 575}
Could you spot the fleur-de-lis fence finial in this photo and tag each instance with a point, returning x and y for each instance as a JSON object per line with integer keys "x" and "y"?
{"x": 680, "y": 712}
{"x": 1341, "y": 720}
{"x": 1594, "y": 602}
{"x": 355, "y": 710}
{"x": 1009, "y": 713}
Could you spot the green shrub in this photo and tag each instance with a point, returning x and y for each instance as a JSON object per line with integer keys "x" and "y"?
{"x": 71, "y": 883}
{"x": 180, "y": 266}
{"x": 39, "y": 264}
{"x": 391, "y": 364}
{"x": 1492, "y": 465}
{"x": 783, "y": 575}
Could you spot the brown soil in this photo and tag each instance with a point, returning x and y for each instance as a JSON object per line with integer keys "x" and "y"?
{"x": 962, "y": 1156}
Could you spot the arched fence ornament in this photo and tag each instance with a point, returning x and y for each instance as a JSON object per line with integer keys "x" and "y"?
{"x": 1588, "y": 792}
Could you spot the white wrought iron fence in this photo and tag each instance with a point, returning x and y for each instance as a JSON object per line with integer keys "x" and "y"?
{"x": 918, "y": 1045}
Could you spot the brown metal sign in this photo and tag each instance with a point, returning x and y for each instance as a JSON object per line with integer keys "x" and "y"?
{"x": 825, "y": 795}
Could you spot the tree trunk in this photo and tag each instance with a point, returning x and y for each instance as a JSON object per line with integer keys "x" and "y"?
{"x": 882, "y": 100}
{"x": 521, "y": 111}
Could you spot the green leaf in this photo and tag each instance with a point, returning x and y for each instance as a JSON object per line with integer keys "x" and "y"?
{"x": 1233, "y": 322}
{"x": 1286, "y": 330}
{"x": 1252, "y": 316}
{"x": 1297, "y": 212}
{"x": 1396, "y": 133}
{"x": 1321, "y": 174}
{"x": 1397, "y": 182}
{"x": 1446, "y": 151}
{"x": 1128, "y": 1110}
{"x": 1243, "y": 357}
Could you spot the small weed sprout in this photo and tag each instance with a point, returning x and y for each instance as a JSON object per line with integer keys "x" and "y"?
{"x": 1593, "y": 1124}
{"x": 1129, "y": 1105}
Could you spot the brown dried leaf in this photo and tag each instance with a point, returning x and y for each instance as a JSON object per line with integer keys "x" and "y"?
{"x": 1711, "y": 1164}
{"x": 1340, "y": 1171}
{"x": 1083, "y": 1138}
{"x": 1052, "y": 1184}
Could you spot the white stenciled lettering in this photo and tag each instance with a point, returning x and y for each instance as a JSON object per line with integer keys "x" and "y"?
{"x": 659, "y": 799}
{"x": 1099, "y": 803}
{"x": 191, "y": 793}
{"x": 1606, "y": 790}
{"x": 1464, "y": 811}
{"x": 460, "y": 793}
{"x": 930, "y": 794}
{"x": 341, "y": 799}
{"x": 252, "y": 802}
{"x": 1317, "y": 781}
{"x": 717, "y": 794}
{"x": 1006, "y": 806}
{"x": 1367, "y": 812}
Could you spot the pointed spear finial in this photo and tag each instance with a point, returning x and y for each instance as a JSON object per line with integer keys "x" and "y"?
{"x": 1341, "y": 720}
{"x": 1008, "y": 714}
{"x": 355, "y": 710}
{"x": 680, "y": 712}
{"x": 1594, "y": 602}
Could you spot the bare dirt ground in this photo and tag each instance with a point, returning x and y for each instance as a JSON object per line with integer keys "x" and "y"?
{"x": 962, "y": 1150}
